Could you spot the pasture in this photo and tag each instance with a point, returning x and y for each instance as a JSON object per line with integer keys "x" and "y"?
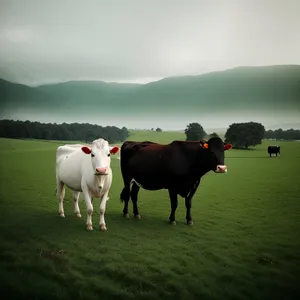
{"x": 245, "y": 242}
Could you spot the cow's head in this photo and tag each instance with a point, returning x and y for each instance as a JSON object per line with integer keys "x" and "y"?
{"x": 216, "y": 148}
{"x": 100, "y": 152}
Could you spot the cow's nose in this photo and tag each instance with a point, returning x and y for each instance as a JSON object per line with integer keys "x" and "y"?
{"x": 101, "y": 171}
{"x": 221, "y": 169}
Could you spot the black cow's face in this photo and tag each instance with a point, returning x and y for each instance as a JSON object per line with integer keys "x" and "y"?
{"x": 216, "y": 148}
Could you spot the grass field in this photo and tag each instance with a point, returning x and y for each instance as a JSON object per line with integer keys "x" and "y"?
{"x": 245, "y": 242}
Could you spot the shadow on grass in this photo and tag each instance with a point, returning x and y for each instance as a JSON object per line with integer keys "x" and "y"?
{"x": 251, "y": 157}
{"x": 21, "y": 228}
{"x": 245, "y": 149}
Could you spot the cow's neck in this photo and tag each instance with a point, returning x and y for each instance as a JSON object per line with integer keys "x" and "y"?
{"x": 203, "y": 164}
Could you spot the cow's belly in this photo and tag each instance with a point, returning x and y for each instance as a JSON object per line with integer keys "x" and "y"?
{"x": 181, "y": 185}
{"x": 70, "y": 176}
{"x": 150, "y": 184}
{"x": 71, "y": 181}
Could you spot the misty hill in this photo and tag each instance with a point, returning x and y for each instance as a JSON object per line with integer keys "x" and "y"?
{"x": 274, "y": 88}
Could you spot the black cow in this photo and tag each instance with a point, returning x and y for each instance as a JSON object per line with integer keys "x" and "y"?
{"x": 274, "y": 150}
{"x": 177, "y": 166}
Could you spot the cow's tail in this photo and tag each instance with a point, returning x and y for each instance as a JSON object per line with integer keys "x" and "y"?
{"x": 123, "y": 195}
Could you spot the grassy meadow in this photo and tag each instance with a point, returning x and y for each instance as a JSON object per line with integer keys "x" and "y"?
{"x": 245, "y": 242}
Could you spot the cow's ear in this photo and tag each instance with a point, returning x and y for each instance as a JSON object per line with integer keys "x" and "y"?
{"x": 113, "y": 150}
{"x": 86, "y": 150}
{"x": 203, "y": 144}
{"x": 227, "y": 146}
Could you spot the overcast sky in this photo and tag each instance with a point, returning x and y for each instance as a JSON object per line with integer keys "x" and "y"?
{"x": 143, "y": 40}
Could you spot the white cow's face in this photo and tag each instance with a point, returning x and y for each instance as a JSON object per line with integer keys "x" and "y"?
{"x": 100, "y": 155}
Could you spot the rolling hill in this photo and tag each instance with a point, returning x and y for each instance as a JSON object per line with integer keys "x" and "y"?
{"x": 270, "y": 89}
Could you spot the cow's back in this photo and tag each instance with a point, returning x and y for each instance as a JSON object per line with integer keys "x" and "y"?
{"x": 130, "y": 148}
{"x": 70, "y": 161}
{"x": 67, "y": 149}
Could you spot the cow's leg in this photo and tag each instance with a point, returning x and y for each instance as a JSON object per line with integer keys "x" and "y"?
{"x": 174, "y": 204}
{"x": 60, "y": 190}
{"x": 89, "y": 209}
{"x": 125, "y": 196}
{"x": 134, "y": 198}
{"x": 188, "y": 205}
{"x": 76, "y": 206}
{"x": 103, "y": 201}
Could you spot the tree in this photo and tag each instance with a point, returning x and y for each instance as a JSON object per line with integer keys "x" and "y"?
{"x": 278, "y": 134}
{"x": 89, "y": 136}
{"x": 124, "y": 134}
{"x": 243, "y": 135}
{"x": 158, "y": 129}
{"x": 194, "y": 132}
{"x": 74, "y": 131}
{"x": 214, "y": 134}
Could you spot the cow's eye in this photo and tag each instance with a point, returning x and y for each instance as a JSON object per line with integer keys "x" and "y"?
{"x": 92, "y": 155}
{"x": 108, "y": 154}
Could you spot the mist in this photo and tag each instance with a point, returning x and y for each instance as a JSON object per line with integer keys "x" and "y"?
{"x": 211, "y": 122}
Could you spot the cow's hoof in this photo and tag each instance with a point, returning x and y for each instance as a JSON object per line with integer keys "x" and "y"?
{"x": 78, "y": 215}
{"x": 172, "y": 222}
{"x": 89, "y": 227}
{"x": 190, "y": 223}
{"x": 62, "y": 214}
{"x": 138, "y": 216}
{"x": 103, "y": 227}
{"x": 126, "y": 216}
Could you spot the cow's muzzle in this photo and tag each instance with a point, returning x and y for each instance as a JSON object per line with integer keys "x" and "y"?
{"x": 101, "y": 171}
{"x": 221, "y": 169}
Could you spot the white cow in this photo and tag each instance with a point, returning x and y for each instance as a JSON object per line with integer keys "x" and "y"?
{"x": 85, "y": 169}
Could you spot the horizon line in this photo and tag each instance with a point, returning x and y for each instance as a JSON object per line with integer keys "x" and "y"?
{"x": 141, "y": 81}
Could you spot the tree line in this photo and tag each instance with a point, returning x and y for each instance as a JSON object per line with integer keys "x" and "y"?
{"x": 68, "y": 132}
{"x": 278, "y": 134}
{"x": 242, "y": 135}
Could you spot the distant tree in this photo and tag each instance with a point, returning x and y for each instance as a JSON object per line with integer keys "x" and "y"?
{"x": 213, "y": 135}
{"x": 279, "y": 134}
{"x": 152, "y": 129}
{"x": 2, "y": 131}
{"x": 124, "y": 134}
{"x": 89, "y": 136}
{"x": 243, "y": 135}
{"x": 269, "y": 134}
{"x": 194, "y": 132}
{"x": 46, "y": 134}
{"x": 81, "y": 132}
{"x": 158, "y": 129}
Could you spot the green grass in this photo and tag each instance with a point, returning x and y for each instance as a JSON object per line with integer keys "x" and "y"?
{"x": 161, "y": 137}
{"x": 157, "y": 137}
{"x": 245, "y": 242}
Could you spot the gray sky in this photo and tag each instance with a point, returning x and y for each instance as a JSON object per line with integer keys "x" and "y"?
{"x": 142, "y": 40}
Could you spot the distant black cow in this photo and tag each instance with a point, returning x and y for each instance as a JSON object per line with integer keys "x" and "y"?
{"x": 177, "y": 166}
{"x": 274, "y": 150}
